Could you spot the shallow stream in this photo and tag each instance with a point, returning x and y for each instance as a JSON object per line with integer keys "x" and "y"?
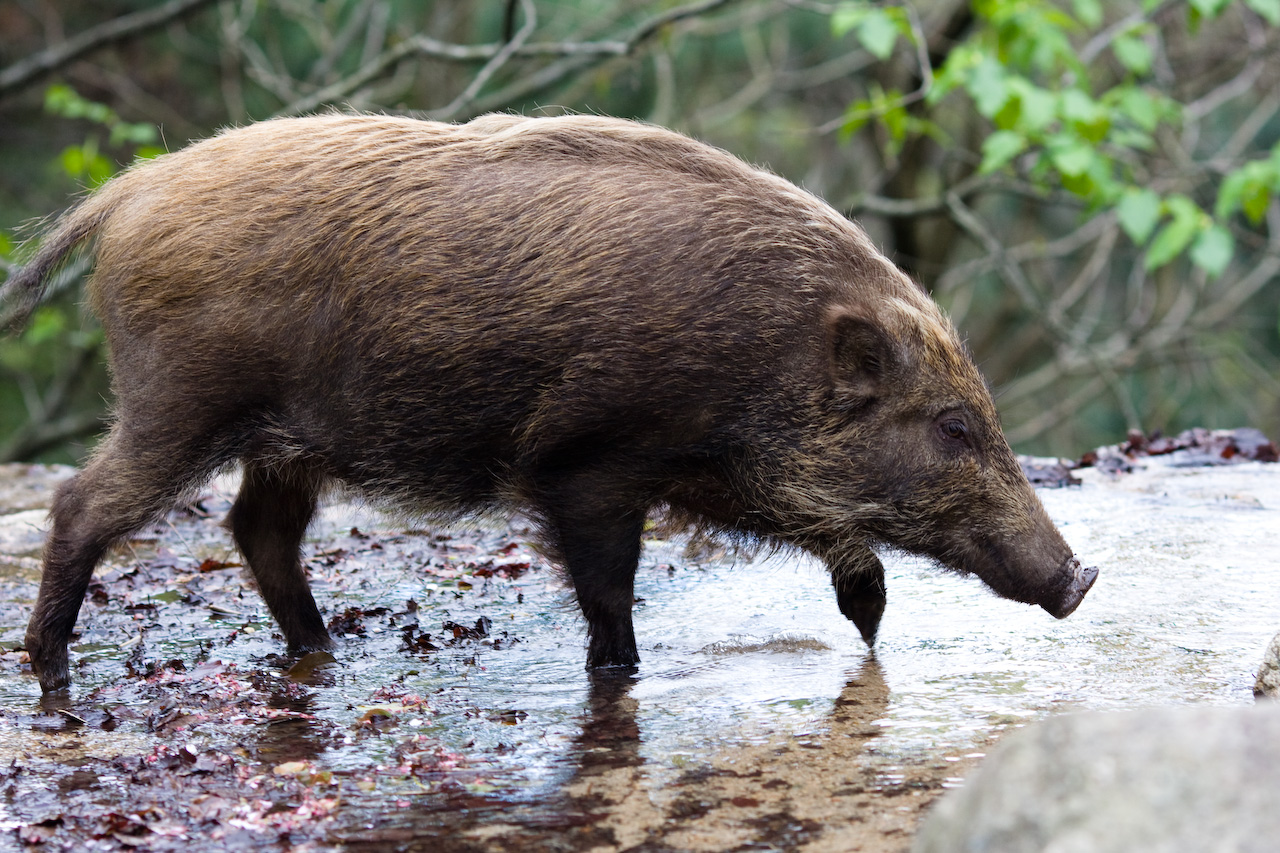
{"x": 466, "y": 721}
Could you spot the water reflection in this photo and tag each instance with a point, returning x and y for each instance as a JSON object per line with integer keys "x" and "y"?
{"x": 610, "y": 737}
{"x": 753, "y": 792}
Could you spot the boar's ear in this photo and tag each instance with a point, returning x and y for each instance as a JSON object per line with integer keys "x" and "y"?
{"x": 863, "y": 355}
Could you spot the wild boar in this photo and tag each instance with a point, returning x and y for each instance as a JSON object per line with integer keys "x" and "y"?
{"x": 584, "y": 318}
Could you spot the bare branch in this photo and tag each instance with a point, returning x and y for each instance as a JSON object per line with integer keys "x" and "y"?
{"x": 1258, "y": 118}
{"x": 1009, "y": 266}
{"x": 1031, "y": 250}
{"x": 1241, "y": 84}
{"x": 1037, "y": 426}
{"x": 1102, "y": 40}
{"x": 919, "y": 206}
{"x": 575, "y": 56}
{"x": 48, "y": 423}
{"x": 1013, "y": 273}
{"x": 33, "y": 438}
{"x": 582, "y": 55}
{"x": 39, "y": 65}
{"x": 491, "y": 67}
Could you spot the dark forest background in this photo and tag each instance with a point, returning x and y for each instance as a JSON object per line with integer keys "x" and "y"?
{"x": 1087, "y": 188}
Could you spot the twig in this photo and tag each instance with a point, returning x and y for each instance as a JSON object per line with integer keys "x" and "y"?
{"x": 582, "y": 55}
{"x": 1099, "y": 43}
{"x": 1241, "y": 84}
{"x": 1034, "y": 428}
{"x": 499, "y": 59}
{"x": 906, "y": 208}
{"x": 35, "y": 67}
{"x": 1017, "y": 278}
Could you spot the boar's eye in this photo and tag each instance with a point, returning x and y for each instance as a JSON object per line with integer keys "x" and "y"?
{"x": 954, "y": 429}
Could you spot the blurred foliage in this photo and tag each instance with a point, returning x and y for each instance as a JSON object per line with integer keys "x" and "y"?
{"x": 1089, "y": 188}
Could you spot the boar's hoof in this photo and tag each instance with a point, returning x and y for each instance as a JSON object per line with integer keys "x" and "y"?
{"x": 1078, "y": 580}
{"x": 864, "y": 609}
{"x": 612, "y": 652}
{"x": 49, "y": 663}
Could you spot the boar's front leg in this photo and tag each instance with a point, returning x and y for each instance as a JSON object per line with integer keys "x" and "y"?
{"x": 598, "y": 539}
{"x": 268, "y": 520}
{"x": 860, "y": 592}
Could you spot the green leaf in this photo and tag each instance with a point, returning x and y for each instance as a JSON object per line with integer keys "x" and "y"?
{"x": 1268, "y": 9}
{"x": 955, "y": 72}
{"x": 878, "y": 33}
{"x": 858, "y": 114}
{"x": 46, "y": 324}
{"x": 1254, "y": 202}
{"x": 847, "y": 17}
{"x": 1229, "y": 194}
{"x": 1133, "y": 53}
{"x": 1177, "y": 234}
{"x": 1077, "y": 106}
{"x": 73, "y": 161}
{"x": 1089, "y": 12}
{"x": 896, "y": 121}
{"x": 1213, "y": 249}
{"x": 999, "y": 148}
{"x": 987, "y": 87}
{"x": 1209, "y": 8}
{"x": 1087, "y": 116}
{"x": 99, "y": 170}
{"x": 1249, "y": 188}
{"x": 1138, "y": 212}
{"x": 57, "y": 98}
{"x": 133, "y": 134}
{"x": 1036, "y": 108}
{"x": 1072, "y": 159}
{"x": 1133, "y": 139}
{"x": 1138, "y": 106}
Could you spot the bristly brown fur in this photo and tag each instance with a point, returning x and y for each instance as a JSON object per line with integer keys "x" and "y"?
{"x": 581, "y": 317}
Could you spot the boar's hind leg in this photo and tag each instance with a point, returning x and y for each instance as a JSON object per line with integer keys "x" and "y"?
{"x": 132, "y": 479}
{"x": 268, "y": 520}
{"x": 599, "y": 541}
{"x": 860, "y": 591}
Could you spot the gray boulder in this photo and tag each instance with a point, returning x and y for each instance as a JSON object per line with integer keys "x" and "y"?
{"x": 1268, "y": 683}
{"x": 1167, "y": 779}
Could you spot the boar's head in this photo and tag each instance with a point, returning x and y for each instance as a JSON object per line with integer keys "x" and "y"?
{"x": 911, "y": 455}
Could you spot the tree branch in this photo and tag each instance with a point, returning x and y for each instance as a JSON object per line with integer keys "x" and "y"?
{"x": 501, "y": 58}
{"x": 574, "y": 57}
{"x": 39, "y": 65}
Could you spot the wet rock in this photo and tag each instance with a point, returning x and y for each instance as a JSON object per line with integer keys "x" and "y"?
{"x": 1167, "y": 779}
{"x": 1268, "y": 683}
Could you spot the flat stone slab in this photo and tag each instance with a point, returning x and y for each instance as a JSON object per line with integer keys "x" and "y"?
{"x": 1166, "y": 779}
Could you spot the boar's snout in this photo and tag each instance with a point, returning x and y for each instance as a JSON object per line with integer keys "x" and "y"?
{"x": 1076, "y": 582}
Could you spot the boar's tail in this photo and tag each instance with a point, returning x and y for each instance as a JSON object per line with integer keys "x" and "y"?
{"x": 26, "y": 288}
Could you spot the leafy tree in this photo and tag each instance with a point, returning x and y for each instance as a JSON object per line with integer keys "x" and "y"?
{"x": 1106, "y": 173}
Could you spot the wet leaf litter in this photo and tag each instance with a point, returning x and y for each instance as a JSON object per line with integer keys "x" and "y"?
{"x": 193, "y": 728}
